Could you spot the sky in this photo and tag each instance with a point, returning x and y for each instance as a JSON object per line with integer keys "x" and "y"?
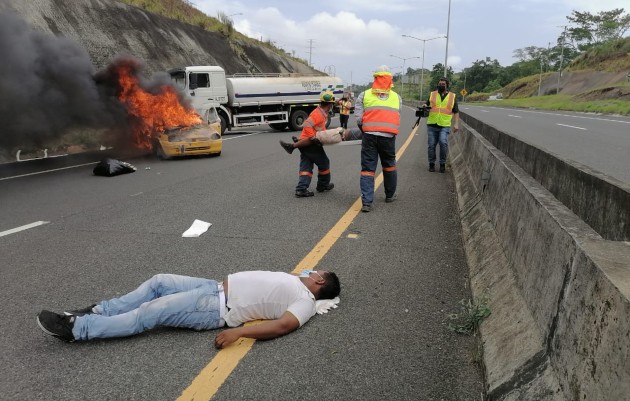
{"x": 351, "y": 38}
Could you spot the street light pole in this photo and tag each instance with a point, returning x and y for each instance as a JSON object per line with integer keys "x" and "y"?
{"x": 402, "y": 82}
{"x": 424, "y": 42}
{"x": 448, "y": 28}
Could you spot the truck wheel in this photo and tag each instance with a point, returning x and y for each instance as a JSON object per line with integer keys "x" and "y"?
{"x": 223, "y": 124}
{"x": 297, "y": 120}
{"x": 279, "y": 126}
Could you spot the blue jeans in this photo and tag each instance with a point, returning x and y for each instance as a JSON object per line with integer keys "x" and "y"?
{"x": 373, "y": 147}
{"x": 163, "y": 300}
{"x": 437, "y": 135}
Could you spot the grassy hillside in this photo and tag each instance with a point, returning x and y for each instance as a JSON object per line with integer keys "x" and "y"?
{"x": 609, "y": 98}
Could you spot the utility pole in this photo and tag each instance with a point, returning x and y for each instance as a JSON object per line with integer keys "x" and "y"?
{"x": 310, "y": 51}
{"x": 561, "y": 57}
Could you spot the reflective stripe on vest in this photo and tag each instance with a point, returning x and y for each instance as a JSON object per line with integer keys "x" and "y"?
{"x": 441, "y": 112}
{"x": 381, "y": 115}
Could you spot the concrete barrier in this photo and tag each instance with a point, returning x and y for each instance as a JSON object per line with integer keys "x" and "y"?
{"x": 559, "y": 292}
{"x": 601, "y": 201}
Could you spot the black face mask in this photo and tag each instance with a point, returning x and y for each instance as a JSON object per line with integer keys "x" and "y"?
{"x": 442, "y": 88}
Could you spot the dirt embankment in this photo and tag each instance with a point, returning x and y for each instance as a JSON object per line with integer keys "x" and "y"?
{"x": 106, "y": 28}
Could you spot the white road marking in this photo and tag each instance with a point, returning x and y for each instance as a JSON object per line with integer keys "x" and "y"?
{"x": 512, "y": 115}
{"x": 242, "y": 136}
{"x": 46, "y": 171}
{"x": 485, "y": 111}
{"x": 571, "y": 126}
{"x": 22, "y": 228}
{"x": 569, "y": 115}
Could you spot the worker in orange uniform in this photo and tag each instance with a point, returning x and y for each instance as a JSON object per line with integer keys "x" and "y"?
{"x": 377, "y": 111}
{"x": 312, "y": 151}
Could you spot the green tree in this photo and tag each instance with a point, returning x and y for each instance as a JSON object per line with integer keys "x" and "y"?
{"x": 591, "y": 29}
{"x": 481, "y": 73}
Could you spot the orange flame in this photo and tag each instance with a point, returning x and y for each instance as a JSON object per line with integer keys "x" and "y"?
{"x": 153, "y": 113}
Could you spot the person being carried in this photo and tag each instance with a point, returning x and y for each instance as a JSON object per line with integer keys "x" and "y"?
{"x": 311, "y": 152}
{"x": 284, "y": 300}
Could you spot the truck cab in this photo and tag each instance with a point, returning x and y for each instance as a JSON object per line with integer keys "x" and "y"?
{"x": 205, "y": 85}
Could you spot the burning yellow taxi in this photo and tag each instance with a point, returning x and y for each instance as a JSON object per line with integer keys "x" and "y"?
{"x": 199, "y": 139}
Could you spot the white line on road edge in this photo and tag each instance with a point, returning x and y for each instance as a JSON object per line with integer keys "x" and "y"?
{"x": 242, "y": 136}
{"x": 571, "y": 126}
{"x": 569, "y": 115}
{"x": 46, "y": 171}
{"x": 512, "y": 115}
{"x": 22, "y": 228}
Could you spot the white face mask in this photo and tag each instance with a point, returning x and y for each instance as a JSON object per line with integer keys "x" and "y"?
{"x": 307, "y": 274}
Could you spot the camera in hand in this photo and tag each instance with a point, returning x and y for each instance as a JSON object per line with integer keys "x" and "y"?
{"x": 423, "y": 111}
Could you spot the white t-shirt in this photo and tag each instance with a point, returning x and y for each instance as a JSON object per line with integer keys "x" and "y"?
{"x": 267, "y": 295}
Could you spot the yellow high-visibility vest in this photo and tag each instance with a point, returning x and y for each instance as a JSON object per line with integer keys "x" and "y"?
{"x": 441, "y": 112}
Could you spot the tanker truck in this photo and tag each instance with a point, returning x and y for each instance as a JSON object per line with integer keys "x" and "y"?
{"x": 282, "y": 100}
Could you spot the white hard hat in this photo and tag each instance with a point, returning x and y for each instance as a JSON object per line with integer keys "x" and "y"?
{"x": 381, "y": 68}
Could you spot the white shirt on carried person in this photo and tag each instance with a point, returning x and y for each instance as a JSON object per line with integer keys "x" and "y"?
{"x": 254, "y": 295}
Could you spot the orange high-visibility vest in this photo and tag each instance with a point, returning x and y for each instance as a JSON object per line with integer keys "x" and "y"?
{"x": 381, "y": 115}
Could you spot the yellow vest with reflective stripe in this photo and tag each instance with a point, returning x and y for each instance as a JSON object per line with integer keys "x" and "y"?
{"x": 441, "y": 112}
{"x": 381, "y": 115}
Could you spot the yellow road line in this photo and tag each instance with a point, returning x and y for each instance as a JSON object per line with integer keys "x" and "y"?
{"x": 210, "y": 379}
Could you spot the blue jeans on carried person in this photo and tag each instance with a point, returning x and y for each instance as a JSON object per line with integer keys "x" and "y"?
{"x": 437, "y": 135}
{"x": 163, "y": 300}
{"x": 373, "y": 147}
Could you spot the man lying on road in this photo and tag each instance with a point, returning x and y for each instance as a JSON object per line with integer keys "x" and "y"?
{"x": 285, "y": 300}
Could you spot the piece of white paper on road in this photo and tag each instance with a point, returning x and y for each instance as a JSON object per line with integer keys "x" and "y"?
{"x": 198, "y": 227}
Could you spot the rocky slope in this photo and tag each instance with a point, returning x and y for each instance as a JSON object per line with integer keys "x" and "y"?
{"x": 106, "y": 28}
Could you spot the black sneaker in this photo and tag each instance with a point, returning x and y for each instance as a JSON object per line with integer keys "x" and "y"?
{"x": 327, "y": 188}
{"x": 305, "y": 193}
{"x": 390, "y": 199}
{"x": 432, "y": 167}
{"x": 80, "y": 312}
{"x": 442, "y": 168}
{"x": 56, "y": 325}
{"x": 366, "y": 208}
{"x": 287, "y": 146}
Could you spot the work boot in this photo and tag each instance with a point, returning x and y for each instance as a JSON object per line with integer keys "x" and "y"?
{"x": 390, "y": 199}
{"x": 442, "y": 168}
{"x": 432, "y": 167}
{"x": 366, "y": 208}
{"x": 81, "y": 312}
{"x": 305, "y": 193}
{"x": 287, "y": 146}
{"x": 56, "y": 325}
{"x": 327, "y": 188}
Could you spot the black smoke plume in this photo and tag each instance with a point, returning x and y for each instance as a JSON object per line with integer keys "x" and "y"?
{"x": 48, "y": 84}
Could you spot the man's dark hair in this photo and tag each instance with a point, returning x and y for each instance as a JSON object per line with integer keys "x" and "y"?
{"x": 332, "y": 288}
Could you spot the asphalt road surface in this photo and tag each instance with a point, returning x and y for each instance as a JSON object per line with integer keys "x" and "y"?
{"x": 601, "y": 142}
{"x": 402, "y": 268}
